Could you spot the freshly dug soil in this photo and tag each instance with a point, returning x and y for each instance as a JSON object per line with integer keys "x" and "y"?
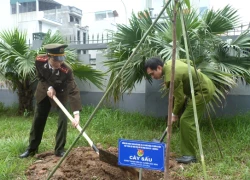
{"x": 83, "y": 163}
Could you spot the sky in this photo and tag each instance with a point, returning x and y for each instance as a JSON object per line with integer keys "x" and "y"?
{"x": 241, "y": 5}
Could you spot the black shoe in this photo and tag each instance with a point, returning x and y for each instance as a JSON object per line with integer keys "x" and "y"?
{"x": 60, "y": 154}
{"x": 186, "y": 159}
{"x": 28, "y": 153}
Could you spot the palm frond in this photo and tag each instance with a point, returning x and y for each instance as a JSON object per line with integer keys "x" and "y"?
{"x": 223, "y": 63}
{"x": 85, "y": 72}
{"x": 222, "y": 20}
{"x": 26, "y": 65}
{"x": 243, "y": 40}
{"x": 53, "y": 38}
{"x": 16, "y": 60}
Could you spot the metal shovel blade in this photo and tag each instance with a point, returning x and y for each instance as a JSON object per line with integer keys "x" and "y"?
{"x": 113, "y": 160}
{"x": 156, "y": 141}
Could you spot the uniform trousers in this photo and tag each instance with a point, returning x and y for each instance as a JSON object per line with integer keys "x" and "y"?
{"x": 41, "y": 114}
{"x": 188, "y": 137}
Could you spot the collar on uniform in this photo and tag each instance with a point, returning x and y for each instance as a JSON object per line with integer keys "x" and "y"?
{"x": 51, "y": 68}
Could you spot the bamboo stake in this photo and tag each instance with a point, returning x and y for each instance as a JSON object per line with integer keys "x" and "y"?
{"x": 209, "y": 117}
{"x": 193, "y": 98}
{"x": 170, "y": 99}
{"x": 107, "y": 91}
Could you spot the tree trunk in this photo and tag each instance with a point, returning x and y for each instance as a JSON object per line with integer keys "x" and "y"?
{"x": 25, "y": 98}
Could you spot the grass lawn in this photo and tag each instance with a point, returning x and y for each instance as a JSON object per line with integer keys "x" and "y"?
{"x": 109, "y": 125}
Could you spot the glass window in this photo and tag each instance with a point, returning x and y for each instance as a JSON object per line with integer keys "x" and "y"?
{"x": 24, "y": 7}
{"x": 13, "y": 9}
{"x": 110, "y": 14}
{"x": 100, "y": 16}
{"x": 32, "y": 6}
{"x": 71, "y": 19}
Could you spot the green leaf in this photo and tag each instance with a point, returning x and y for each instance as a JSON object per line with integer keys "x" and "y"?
{"x": 222, "y": 62}
{"x": 187, "y": 2}
{"x": 17, "y": 64}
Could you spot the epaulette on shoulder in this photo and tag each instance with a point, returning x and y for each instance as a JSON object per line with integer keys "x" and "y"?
{"x": 64, "y": 69}
{"x": 42, "y": 58}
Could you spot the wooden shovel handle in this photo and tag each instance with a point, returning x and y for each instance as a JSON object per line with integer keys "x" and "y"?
{"x": 164, "y": 134}
{"x": 78, "y": 126}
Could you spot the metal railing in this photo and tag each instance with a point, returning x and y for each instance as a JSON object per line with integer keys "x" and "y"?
{"x": 238, "y": 30}
{"x": 91, "y": 39}
{"x": 38, "y": 36}
{"x": 106, "y": 38}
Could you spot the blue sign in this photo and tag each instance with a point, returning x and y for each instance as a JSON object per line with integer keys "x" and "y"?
{"x": 141, "y": 154}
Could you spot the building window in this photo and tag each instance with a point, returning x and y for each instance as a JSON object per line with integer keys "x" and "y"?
{"x": 78, "y": 36}
{"x": 46, "y": 5}
{"x": 100, "y": 16}
{"x": 27, "y": 7}
{"x": 84, "y": 38}
{"x": 13, "y": 9}
{"x": 74, "y": 19}
{"x": 110, "y": 14}
{"x": 77, "y": 20}
{"x": 40, "y": 26}
{"x": 24, "y": 7}
{"x": 71, "y": 19}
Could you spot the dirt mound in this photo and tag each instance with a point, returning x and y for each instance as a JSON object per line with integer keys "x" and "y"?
{"x": 83, "y": 164}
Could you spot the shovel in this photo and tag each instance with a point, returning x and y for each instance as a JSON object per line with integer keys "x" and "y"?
{"x": 162, "y": 136}
{"x": 103, "y": 155}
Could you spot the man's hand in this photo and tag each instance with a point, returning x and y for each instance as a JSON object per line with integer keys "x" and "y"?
{"x": 76, "y": 120}
{"x": 51, "y": 92}
{"x": 174, "y": 118}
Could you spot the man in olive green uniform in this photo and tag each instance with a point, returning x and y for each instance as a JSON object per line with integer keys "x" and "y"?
{"x": 54, "y": 78}
{"x": 157, "y": 70}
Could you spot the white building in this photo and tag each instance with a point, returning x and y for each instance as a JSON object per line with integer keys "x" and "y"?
{"x": 36, "y": 17}
{"x": 5, "y": 12}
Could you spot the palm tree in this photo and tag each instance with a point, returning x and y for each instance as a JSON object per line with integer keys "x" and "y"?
{"x": 224, "y": 63}
{"x": 124, "y": 41}
{"x": 17, "y": 65}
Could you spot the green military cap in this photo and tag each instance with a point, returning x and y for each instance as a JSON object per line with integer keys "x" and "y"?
{"x": 56, "y": 51}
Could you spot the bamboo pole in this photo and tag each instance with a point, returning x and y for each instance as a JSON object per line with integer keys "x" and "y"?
{"x": 107, "y": 91}
{"x": 193, "y": 98}
{"x": 171, "y": 91}
{"x": 209, "y": 117}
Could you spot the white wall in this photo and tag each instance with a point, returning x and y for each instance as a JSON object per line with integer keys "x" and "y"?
{"x": 5, "y": 12}
{"x": 29, "y": 28}
{"x": 89, "y": 87}
{"x": 46, "y": 27}
{"x": 33, "y": 27}
{"x": 157, "y": 5}
{"x": 123, "y": 7}
{"x": 28, "y": 22}
{"x": 99, "y": 26}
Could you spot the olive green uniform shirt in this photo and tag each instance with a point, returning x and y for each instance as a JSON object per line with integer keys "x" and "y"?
{"x": 182, "y": 84}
